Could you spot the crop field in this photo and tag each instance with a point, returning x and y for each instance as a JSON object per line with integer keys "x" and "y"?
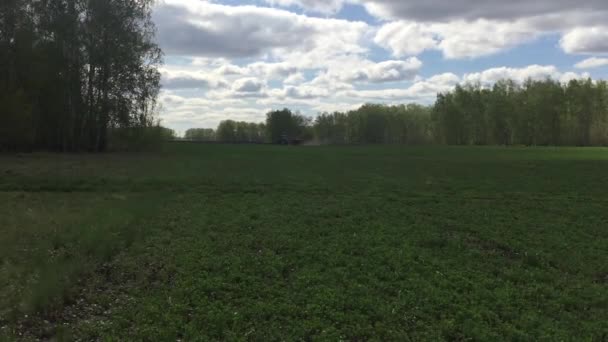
{"x": 269, "y": 243}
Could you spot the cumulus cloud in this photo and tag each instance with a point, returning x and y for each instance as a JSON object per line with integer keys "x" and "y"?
{"x": 586, "y": 40}
{"x": 440, "y": 10}
{"x": 534, "y": 72}
{"x": 457, "y": 39}
{"x": 199, "y": 28}
{"x": 346, "y": 71}
{"x": 320, "y": 6}
{"x": 296, "y": 78}
{"x": 182, "y": 112}
{"x": 247, "y": 85}
{"x": 220, "y": 31}
{"x": 424, "y": 90}
{"x": 471, "y": 39}
{"x": 184, "y": 82}
{"x": 267, "y": 70}
{"x": 460, "y": 38}
{"x": 467, "y": 28}
{"x": 303, "y": 92}
{"x": 386, "y": 71}
{"x": 271, "y": 70}
{"x": 188, "y": 79}
{"x": 592, "y": 62}
{"x": 406, "y": 38}
{"x": 241, "y": 88}
{"x": 470, "y": 28}
{"x": 568, "y": 76}
{"x": 490, "y": 76}
{"x": 231, "y": 69}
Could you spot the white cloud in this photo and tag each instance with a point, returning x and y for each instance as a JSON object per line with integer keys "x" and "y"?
{"x": 320, "y": 6}
{"x": 184, "y": 82}
{"x": 491, "y": 76}
{"x": 441, "y": 10}
{"x": 586, "y": 40}
{"x": 301, "y": 92}
{"x": 568, "y": 76}
{"x": 327, "y": 81}
{"x": 534, "y": 72}
{"x": 468, "y": 28}
{"x": 231, "y": 69}
{"x": 406, "y": 38}
{"x": 296, "y": 78}
{"x": 180, "y": 78}
{"x": 241, "y": 88}
{"x": 204, "y": 29}
{"x": 591, "y": 63}
{"x": 272, "y": 70}
{"x": 459, "y": 28}
{"x": 345, "y": 71}
{"x": 181, "y": 112}
{"x": 268, "y": 71}
{"x": 456, "y": 39}
{"x": 248, "y": 85}
{"x": 481, "y": 37}
{"x": 387, "y": 71}
{"x": 423, "y": 90}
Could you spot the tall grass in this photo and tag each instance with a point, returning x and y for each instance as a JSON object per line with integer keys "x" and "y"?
{"x": 53, "y": 241}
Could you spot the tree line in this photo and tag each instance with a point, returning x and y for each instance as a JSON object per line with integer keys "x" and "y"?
{"x": 533, "y": 113}
{"x": 73, "y": 72}
{"x": 372, "y": 123}
{"x": 240, "y": 131}
{"x": 544, "y": 112}
{"x": 376, "y": 124}
{"x": 200, "y": 134}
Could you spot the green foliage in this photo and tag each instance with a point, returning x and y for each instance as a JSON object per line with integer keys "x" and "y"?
{"x": 229, "y": 242}
{"x": 136, "y": 139}
{"x": 230, "y": 131}
{"x": 404, "y": 124}
{"x": 284, "y": 123}
{"x": 200, "y": 134}
{"x": 15, "y": 122}
{"x": 535, "y": 113}
{"x": 166, "y": 133}
{"x": 72, "y": 69}
{"x": 51, "y": 241}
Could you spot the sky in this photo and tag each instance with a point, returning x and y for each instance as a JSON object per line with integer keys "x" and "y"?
{"x": 238, "y": 59}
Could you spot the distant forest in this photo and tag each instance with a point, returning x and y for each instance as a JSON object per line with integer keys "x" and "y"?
{"x": 75, "y": 72}
{"x": 534, "y": 113}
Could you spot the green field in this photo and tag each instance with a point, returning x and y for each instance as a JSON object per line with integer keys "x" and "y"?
{"x": 266, "y": 243}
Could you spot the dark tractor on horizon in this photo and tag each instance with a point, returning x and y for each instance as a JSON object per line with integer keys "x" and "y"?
{"x": 285, "y": 140}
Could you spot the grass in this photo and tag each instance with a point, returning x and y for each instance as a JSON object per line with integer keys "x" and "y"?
{"x": 212, "y": 242}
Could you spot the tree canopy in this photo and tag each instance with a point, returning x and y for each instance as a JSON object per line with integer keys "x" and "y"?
{"x": 200, "y": 134}
{"x": 74, "y": 71}
{"x": 534, "y": 113}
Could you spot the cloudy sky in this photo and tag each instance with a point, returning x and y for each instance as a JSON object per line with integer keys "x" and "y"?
{"x": 237, "y": 59}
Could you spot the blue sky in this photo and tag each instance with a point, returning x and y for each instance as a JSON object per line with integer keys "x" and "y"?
{"x": 236, "y": 59}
